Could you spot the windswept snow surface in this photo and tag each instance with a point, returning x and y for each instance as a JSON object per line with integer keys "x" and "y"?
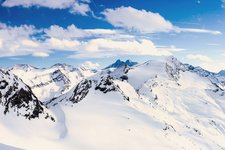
{"x": 158, "y": 105}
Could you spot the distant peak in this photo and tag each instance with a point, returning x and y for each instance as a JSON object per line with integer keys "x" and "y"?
{"x": 128, "y": 61}
{"x": 118, "y": 60}
{"x": 63, "y": 65}
{"x": 221, "y": 73}
{"x": 119, "y": 63}
{"x": 25, "y": 67}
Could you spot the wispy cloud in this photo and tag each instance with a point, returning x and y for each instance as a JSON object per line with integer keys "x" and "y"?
{"x": 40, "y": 54}
{"x": 199, "y": 57}
{"x": 145, "y": 21}
{"x": 74, "y": 6}
{"x": 215, "y": 66}
{"x": 207, "y": 63}
{"x": 223, "y": 3}
{"x": 197, "y": 30}
{"x": 213, "y": 44}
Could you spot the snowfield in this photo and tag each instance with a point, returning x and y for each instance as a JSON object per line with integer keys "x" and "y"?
{"x": 154, "y": 105}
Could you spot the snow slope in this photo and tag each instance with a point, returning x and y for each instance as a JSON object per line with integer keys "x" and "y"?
{"x": 157, "y": 105}
{"x": 6, "y": 147}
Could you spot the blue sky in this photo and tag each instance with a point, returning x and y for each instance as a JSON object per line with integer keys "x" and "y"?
{"x": 45, "y": 32}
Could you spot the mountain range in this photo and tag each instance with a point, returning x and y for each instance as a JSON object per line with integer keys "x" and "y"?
{"x": 159, "y": 104}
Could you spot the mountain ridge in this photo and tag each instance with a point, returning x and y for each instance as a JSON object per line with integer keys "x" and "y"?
{"x": 156, "y": 102}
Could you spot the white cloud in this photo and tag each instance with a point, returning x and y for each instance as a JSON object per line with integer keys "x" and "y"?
{"x": 145, "y": 21}
{"x": 198, "y": 31}
{"x": 80, "y": 8}
{"x": 2, "y": 25}
{"x": 207, "y": 63}
{"x": 198, "y": 57}
{"x": 213, "y": 44}
{"x": 87, "y": 43}
{"x": 54, "y": 4}
{"x": 138, "y": 20}
{"x": 40, "y": 54}
{"x": 62, "y": 44}
{"x": 90, "y": 65}
{"x": 17, "y": 40}
{"x": 1, "y": 43}
{"x": 213, "y": 66}
{"x": 223, "y": 54}
{"x": 70, "y": 32}
{"x": 74, "y": 6}
{"x": 101, "y": 31}
{"x": 107, "y": 47}
{"x": 29, "y": 43}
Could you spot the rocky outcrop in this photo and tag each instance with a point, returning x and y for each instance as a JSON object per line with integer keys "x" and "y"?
{"x": 17, "y": 97}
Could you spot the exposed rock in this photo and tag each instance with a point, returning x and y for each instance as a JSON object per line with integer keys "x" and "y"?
{"x": 81, "y": 91}
{"x": 17, "y": 97}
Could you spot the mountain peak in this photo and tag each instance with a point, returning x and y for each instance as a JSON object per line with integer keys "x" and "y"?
{"x": 62, "y": 65}
{"x": 221, "y": 73}
{"x": 172, "y": 60}
{"x": 119, "y": 63}
{"x": 25, "y": 67}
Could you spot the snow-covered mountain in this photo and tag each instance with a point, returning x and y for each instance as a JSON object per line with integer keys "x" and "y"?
{"x": 158, "y": 105}
{"x": 47, "y": 83}
{"x": 16, "y": 97}
{"x": 217, "y": 78}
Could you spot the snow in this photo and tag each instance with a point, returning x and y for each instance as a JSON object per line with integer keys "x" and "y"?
{"x": 6, "y": 147}
{"x": 47, "y": 83}
{"x": 169, "y": 107}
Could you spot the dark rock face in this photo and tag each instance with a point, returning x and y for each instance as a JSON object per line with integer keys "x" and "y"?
{"x": 3, "y": 84}
{"x": 17, "y": 97}
{"x": 75, "y": 95}
{"x": 173, "y": 68}
{"x": 24, "y": 99}
{"x": 124, "y": 77}
{"x": 81, "y": 91}
{"x": 58, "y": 76}
{"x": 106, "y": 85}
